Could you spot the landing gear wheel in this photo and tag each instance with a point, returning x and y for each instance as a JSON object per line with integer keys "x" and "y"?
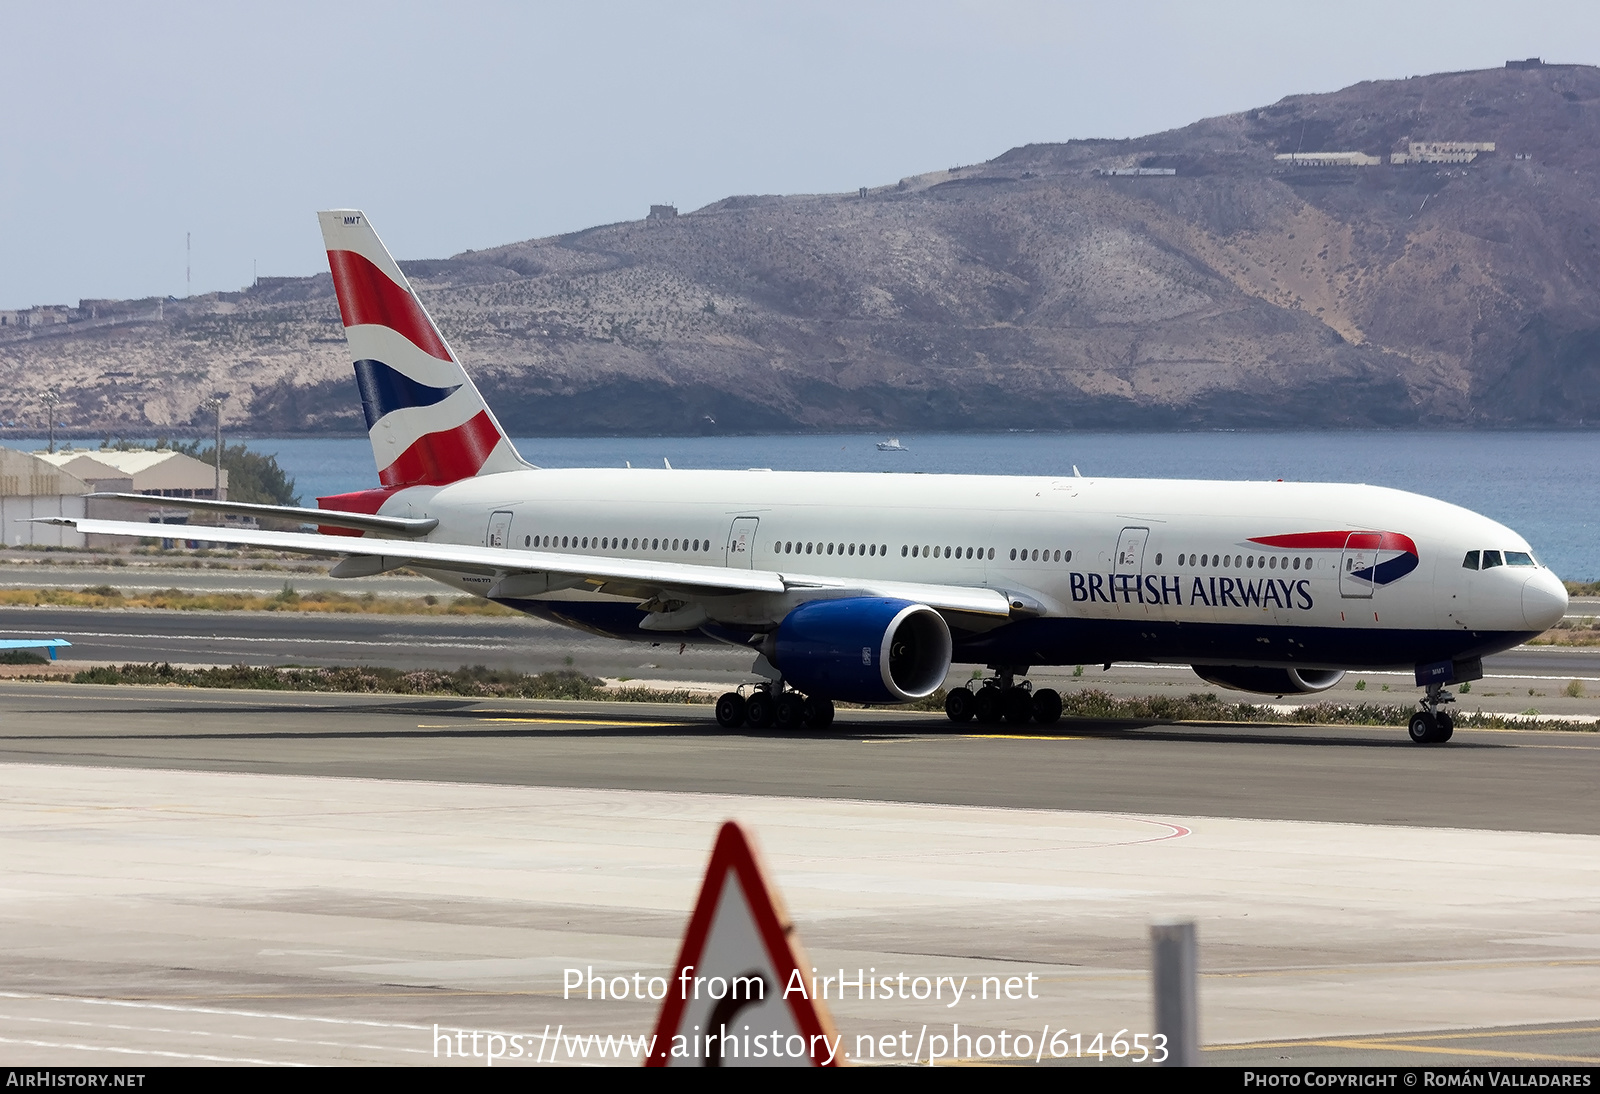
{"x": 790, "y": 712}
{"x": 987, "y": 706}
{"x": 759, "y": 710}
{"x": 1422, "y": 728}
{"x": 960, "y": 705}
{"x": 730, "y": 710}
{"x": 1046, "y": 707}
{"x": 1018, "y": 705}
{"x": 1446, "y": 727}
{"x": 819, "y": 712}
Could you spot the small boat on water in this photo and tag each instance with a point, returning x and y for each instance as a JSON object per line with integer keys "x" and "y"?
{"x": 892, "y": 445}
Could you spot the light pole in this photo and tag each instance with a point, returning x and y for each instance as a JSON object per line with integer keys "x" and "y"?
{"x": 51, "y": 398}
{"x": 215, "y": 403}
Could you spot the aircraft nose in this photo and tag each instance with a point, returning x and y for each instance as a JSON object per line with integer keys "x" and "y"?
{"x": 1544, "y": 601}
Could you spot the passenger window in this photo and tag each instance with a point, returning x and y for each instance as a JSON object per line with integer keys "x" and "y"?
{"x": 1491, "y": 558}
{"x": 1013, "y": 554}
{"x": 1518, "y": 558}
{"x": 991, "y": 552}
{"x": 1471, "y": 561}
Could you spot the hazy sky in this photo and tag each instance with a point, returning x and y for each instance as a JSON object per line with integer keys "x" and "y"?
{"x": 466, "y": 125}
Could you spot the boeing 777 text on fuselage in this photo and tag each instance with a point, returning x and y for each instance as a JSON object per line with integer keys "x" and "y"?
{"x": 868, "y": 587}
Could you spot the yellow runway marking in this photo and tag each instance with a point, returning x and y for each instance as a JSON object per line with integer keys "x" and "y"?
{"x": 1392, "y": 1046}
{"x": 1018, "y": 737}
{"x": 1408, "y": 1044}
{"x": 469, "y": 722}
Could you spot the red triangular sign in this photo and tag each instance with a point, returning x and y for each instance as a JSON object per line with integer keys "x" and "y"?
{"x": 740, "y": 994}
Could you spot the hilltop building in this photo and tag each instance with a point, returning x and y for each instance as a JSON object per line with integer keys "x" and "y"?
{"x": 1328, "y": 159}
{"x": 1441, "y": 151}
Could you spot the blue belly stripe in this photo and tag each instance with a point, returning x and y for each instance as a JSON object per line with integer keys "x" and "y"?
{"x": 1039, "y": 642}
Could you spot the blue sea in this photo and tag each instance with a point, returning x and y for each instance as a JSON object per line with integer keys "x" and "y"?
{"x": 1546, "y": 485}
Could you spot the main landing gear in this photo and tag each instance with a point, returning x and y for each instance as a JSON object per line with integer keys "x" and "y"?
{"x": 1430, "y": 725}
{"x": 1001, "y": 699}
{"x": 769, "y": 707}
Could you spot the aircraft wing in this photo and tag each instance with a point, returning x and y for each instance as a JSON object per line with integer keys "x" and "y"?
{"x": 508, "y": 564}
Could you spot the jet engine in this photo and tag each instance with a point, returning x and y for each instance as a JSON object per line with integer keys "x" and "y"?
{"x": 1268, "y": 681}
{"x": 863, "y": 649}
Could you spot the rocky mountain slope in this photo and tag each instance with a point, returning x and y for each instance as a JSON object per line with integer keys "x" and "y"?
{"x": 1026, "y": 292}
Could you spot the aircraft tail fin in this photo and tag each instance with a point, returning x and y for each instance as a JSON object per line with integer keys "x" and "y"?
{"x": 427, "y": 422}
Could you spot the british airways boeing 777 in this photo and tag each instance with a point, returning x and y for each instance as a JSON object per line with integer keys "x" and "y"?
{"x": 868, "y": 587}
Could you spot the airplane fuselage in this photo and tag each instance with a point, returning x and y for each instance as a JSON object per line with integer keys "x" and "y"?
{"x": 1311, "y": 575}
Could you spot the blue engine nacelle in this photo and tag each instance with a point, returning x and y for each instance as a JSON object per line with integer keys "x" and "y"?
{"x": 1269, "y": 681}
{"x": 864, "y": 649}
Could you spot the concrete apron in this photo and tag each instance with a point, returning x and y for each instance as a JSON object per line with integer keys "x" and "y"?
{"x": 167, "y": 917}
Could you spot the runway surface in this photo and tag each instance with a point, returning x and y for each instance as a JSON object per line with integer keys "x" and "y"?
{"x": 212, "y": 877}
{"x": 1529, "y": 781}
{"x": 215, "y": 917}
{"x": 1529, "y": 677}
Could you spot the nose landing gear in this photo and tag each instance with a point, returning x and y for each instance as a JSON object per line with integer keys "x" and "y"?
{"x": 1431, "y": 725}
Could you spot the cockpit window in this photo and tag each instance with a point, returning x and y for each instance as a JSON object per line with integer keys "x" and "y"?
{"x": 1491, "y": 558}
{"x": 1518, "y": 558}
{"x": 1471, "y": 561}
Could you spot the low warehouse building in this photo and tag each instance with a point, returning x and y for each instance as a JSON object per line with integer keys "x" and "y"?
{"x": 32, "y": 487}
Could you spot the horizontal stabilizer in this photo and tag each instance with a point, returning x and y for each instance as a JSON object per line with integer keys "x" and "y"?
{"x": 332, "y": 518}
{"x": 49, "y": 644}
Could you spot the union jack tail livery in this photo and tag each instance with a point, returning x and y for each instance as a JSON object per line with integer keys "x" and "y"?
{"x": 428, "y": 424}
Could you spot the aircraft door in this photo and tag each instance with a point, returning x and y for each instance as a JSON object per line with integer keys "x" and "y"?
{"x": 742, "y": 544}
{"x": 1357, "y": 565}
{"x": 1130, "y": 550}
{"x": 499, "y": 534}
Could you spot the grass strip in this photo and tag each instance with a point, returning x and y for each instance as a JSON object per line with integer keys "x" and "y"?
{"x": 475, "y": 682}
{"x": 478, "y": 682}
{"x": 286, "y": 600}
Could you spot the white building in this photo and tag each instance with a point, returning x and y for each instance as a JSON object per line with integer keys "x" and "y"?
{"x": 32, "y": 487}
{"x": 1441, "y": 151}
{"x": 164, "y": 474}
{"x": 1328, "y": 159}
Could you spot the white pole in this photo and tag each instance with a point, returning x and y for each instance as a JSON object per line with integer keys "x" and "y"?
{"x": 1174, "y": 973}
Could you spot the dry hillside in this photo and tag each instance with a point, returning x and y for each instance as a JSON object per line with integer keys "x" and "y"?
{"x": 1025, "y": 292}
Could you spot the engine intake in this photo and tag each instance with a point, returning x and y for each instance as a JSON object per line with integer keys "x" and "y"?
{"x": 1268, "y": 681}
{"x": 864, "y": 649}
